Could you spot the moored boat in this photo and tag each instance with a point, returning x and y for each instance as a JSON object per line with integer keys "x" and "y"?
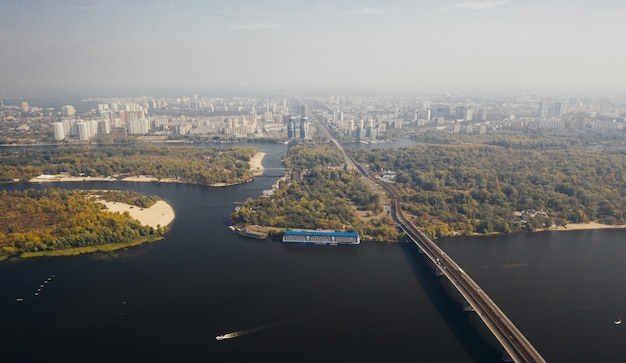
{"x": 253, "y": 234}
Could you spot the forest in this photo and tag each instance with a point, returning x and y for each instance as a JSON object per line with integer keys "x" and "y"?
{"x": 186, "y": 164}
{"x": 467, "y": 188}
{"x": 320, "y": 194}
{"x": 58, "y": 219}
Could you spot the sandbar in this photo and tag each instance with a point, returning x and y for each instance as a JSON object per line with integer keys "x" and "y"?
{"x": 583, "y": 226}
{"x": 256, "y": 164}
{"x": 159, "y": 214}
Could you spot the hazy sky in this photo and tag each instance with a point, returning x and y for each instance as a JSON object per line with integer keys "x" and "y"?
{"x": 121, "y": 45}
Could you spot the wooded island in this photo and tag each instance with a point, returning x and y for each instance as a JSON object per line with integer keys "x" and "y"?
{"x": 56, "y": 221}
{"x": 182, "y": 164}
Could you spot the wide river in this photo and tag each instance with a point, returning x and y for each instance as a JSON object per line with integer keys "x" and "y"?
{"x": 374, "y": 302}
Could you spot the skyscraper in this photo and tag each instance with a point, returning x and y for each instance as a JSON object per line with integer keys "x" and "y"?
{"x": 291, "y": 127}
{"x": 543, "y": 109}
{"x": 558, "y": 110}
{"x": 304, "y": 127}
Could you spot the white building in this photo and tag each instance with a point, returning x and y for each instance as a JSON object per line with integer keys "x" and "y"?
{"x": 59, "y": 131}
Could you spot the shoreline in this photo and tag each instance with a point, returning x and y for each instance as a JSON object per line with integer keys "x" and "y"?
{"x": 108, "y": 247}
{"x": 582, "y": 226}
{"x": 161, "y": 214}
{"x": 256, "y": 163}
{"x": 256, "y": 167}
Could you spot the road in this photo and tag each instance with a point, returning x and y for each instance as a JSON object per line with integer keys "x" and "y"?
{"x": 512, "y": 340}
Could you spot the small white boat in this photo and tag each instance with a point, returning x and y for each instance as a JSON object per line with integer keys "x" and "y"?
{"x": 618, "y": 321}
{"x": 19, "y": 299}
{"x": 227, "y": 336}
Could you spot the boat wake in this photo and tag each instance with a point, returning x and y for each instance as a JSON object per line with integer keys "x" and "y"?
{"x": 240, "y": 333}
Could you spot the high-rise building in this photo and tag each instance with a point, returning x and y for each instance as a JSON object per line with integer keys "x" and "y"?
{"x": 194, "y": 105}
{"x": 291, "y": 127}
{"x": 102, "y": 108}
{"x": 25, "y": 107}
{"x": 58, "y": 130}
{"x": 104, "y": 127}
{"x": 83, "y": 130}
{"x": 543, "y": 109}
{"x": 68, "y": 110}
{"x": 482, "y": 114}
{"x": 304, "y": 127}
{"x": 138, "y": 126}
{"x": 558, "y": 110}
{"x": 302, "y": 110}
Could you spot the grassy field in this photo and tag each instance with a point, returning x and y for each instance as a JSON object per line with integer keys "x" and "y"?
{"x": 89, "y": 249}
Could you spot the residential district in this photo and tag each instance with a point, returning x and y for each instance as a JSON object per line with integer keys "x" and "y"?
{"x": 353, "y": 118}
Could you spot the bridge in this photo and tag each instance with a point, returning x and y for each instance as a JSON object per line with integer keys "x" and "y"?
{"x": 518, "y": 348}
{"x": 512, "y": 340}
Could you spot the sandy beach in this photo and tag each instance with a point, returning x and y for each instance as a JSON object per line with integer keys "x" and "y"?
{"x": 582, "y": 226}
{"x": 256, "y": 163}
{"x": 160, "y": 213}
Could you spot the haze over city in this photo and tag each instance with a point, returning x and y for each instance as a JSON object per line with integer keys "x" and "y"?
{"x": 124, "y": 48}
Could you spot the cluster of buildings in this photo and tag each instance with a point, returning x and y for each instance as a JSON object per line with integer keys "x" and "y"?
{"x": 236, "y": 117}
{"x": 363, "y": 118}
{"x": 353, "y": 117}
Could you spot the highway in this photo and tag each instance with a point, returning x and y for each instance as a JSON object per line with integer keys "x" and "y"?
{"x": 518, "y": 348}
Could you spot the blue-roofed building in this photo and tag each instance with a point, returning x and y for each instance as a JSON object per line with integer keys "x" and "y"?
{"x": 321, "y": 238}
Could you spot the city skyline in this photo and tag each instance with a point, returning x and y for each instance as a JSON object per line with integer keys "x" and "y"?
{"x": 112, "y": 46}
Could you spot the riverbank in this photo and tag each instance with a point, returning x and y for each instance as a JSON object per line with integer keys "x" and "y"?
{"x": 583, "y": 226}
{"x": 256, "y": 167}
{"x": 109, "y": 247}
{"x": 161, "y": 214}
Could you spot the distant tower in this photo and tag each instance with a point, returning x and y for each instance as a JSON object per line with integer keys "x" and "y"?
{"x": 543, "y": 109}
{"x": 304, "y": 127}
{"x": 291, "y": 127}
{"x": 302, "y": 110}
{"x": 558, "y": 110}
{"x": 25, "y": 107}
{"x": 482, "y": 114}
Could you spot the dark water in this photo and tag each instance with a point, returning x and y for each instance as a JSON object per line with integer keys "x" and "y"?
{"x": 562, "y": 289}
{"x": 374, "y": 302}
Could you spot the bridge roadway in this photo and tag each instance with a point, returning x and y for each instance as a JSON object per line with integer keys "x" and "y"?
{"x": 512, "y": 340}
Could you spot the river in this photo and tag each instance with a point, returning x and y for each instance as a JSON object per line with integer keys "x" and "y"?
{"x": 167, "y": 301}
